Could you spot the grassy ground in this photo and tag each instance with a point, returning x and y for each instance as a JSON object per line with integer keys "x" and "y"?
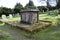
{"x": 16, "y": 34}
{"x": 47, "y": 17}
{"x": 50, "y": 33}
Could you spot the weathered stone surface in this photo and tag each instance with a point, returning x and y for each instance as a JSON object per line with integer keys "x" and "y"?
{"x": 29, "y": 15}
{"x": 30, "y": 28}
{"x": 27, "y": 10}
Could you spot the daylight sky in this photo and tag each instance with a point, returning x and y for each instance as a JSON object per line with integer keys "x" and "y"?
{"x": 12, "y": 3}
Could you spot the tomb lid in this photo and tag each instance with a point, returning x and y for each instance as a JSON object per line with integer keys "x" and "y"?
{"x": 30, "y": 10}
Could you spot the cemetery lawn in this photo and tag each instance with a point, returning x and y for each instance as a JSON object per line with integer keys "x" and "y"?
{"x": 50, "y": 33}
{"x": 11, "y": 19}
{"x": 52, "y": 18}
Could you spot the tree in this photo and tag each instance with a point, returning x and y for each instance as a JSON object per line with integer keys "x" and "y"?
{"x": 41, "y": 8}
{"x": 58, "y": 4}
{"x": 1, "y": 11}
{"x": 6, "y": 11}
{"x": 30, "y": 5}
{"x": 18, "y": 8}
{"x": 50, "y": 7}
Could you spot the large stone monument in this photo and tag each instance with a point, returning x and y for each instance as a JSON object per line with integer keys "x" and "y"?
{"x": 29, "y": 16}
{"x": 29, "y": 21}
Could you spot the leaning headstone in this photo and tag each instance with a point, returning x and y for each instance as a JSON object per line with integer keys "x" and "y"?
{"x": 17, "y": 15}
{"x": 10, "y": 16}
{"x": 43, "y": 11}
{"x": 13, "y": 15}
{"x": 3, "y": 17}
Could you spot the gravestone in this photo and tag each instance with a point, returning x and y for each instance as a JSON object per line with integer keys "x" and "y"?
{"x": 17, "y": 15}
{"x": 10, "y": 16}
{"x": 59, "y": 11}
{"x": 43, "y": 11}
{"x": 29, "y": 16}
{"x": 3, "y": 17}
{"x": 13, "y": 15}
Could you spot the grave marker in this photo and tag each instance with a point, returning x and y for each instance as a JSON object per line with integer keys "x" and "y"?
{"x": 10, "y": 16}
{"x": 3, "y": 17}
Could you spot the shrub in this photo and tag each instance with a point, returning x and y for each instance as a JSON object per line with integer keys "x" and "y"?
{"x": 53, "y": 13}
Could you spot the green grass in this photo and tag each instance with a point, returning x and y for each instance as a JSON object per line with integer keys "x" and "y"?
{"x": 5, "y": 36}
{"x": 13, "y": 19}
{"x": 44, "y": 16}
{"x": 47, "y": 17}
{"x": 50, "y": 33}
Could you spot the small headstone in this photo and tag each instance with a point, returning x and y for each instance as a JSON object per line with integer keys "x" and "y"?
{"x": 13, "y": 15}
{"x": 3, "y": 17}
{"x": 10, "y": 16}
{"x": 17, "y": 14}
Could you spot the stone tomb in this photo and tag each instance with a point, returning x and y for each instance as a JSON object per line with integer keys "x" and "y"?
{"x": 29, "y": 16}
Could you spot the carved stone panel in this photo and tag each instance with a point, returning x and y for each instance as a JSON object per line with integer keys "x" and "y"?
{"x": 23, "y": 17}
{"x": 34, "y": 18}
{"x": 27, "y": 17}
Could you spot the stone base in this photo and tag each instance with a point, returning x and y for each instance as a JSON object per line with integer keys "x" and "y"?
{"x": 32, "y": 27}
{"x": 22, "y": 22}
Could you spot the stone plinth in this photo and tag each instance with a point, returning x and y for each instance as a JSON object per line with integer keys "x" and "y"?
{"x": 31, "y": 28}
